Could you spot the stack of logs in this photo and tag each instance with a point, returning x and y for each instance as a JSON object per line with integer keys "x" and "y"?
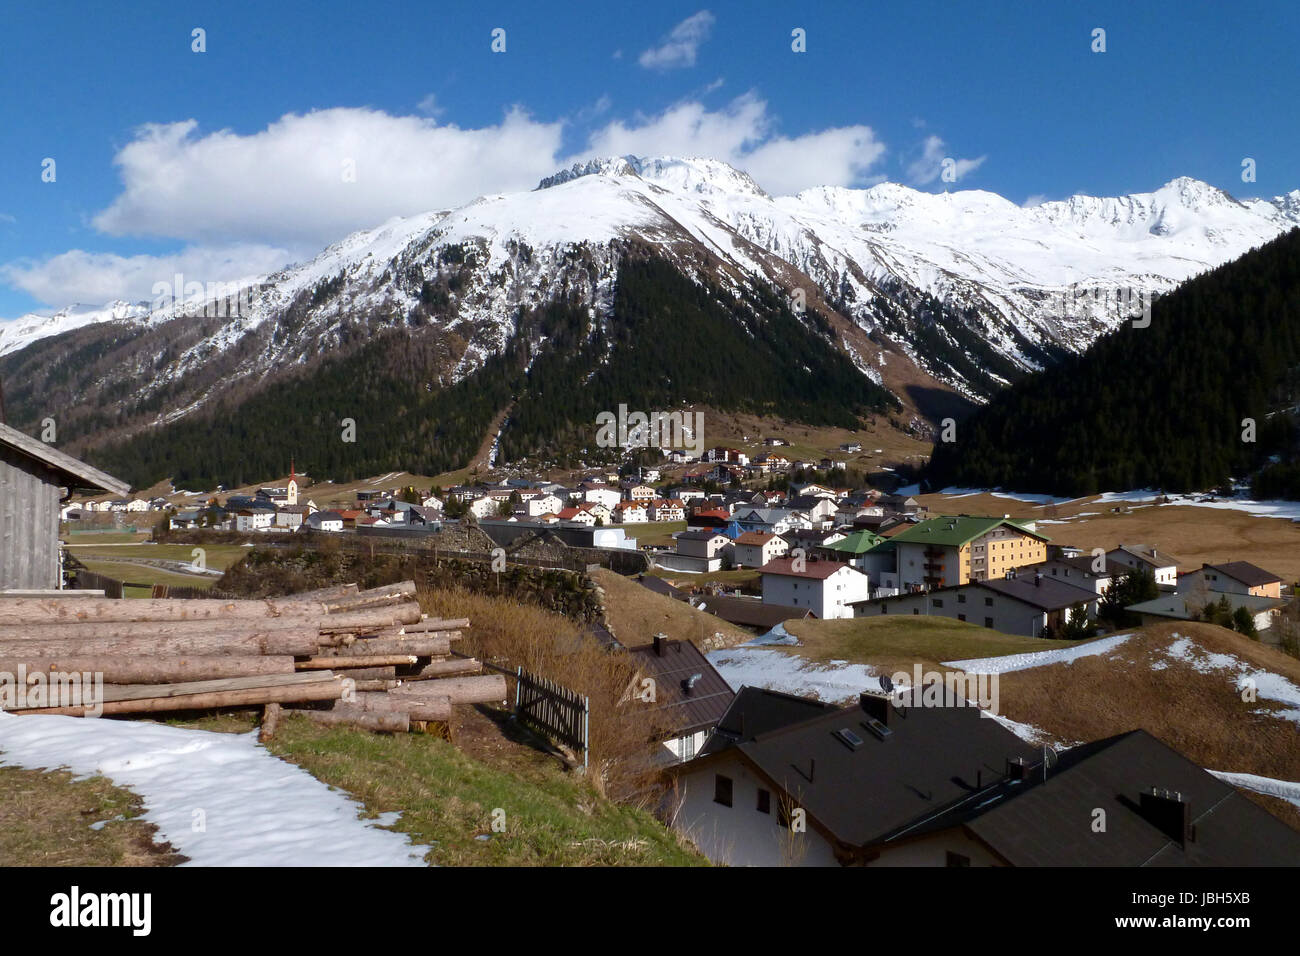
{"x": 342, "y": 655}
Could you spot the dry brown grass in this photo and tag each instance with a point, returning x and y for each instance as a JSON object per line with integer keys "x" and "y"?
{"x": 1200, "y": 714}
{"x": 509, "y": 634}
{"x": 1195, "y": 535}
{"x": 636, "y": 614}
{"x": 46, "y": 818}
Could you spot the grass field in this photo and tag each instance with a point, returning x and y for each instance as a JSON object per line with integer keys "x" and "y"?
{"x": 654, "y": 532}
{"x": 46, "y": 818}
{"x": 447, "y": 794}
{"x": 895, "y": 642}
{"x": 147, "y": 574}
{"x": 636, "y": 614}
{"x": 747, "y": 578}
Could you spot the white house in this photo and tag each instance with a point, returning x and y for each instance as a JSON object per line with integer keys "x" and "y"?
{"x": 631, "y": 512}
{"x": 667, "y": 509}
{"x": 485, "y": 507}
{"x": 254, "y": 519}
{"x": 828, "y": 588}
{"x": 757, "y": 548}
{"x": 543, "y": 504}
{"x": 602, "y": 495}
{"x": 1160, "y": 563}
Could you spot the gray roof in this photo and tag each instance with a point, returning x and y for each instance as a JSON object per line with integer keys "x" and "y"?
{"x": 932, "y": 757}
{"x": 1040, "y": 824}
{"x": 68, "y": 471}
{"x": 1175, "y": 605}
{"x": 1047, "y": 593}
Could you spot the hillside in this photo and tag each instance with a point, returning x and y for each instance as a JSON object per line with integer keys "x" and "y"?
{"x": 651, "y": 281}
{"x": 1167, "y": 406}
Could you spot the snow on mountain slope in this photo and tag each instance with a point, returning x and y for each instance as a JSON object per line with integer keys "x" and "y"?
{"x": 972, "y": 287}
{"x": 23, "y": 331}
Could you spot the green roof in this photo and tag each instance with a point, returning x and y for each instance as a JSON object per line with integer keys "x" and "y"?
{"x": 859, "y": 542}
{"x": 957, "y": 531}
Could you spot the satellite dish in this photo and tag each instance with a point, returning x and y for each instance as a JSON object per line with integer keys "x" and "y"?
{"x": 886, "y": 684}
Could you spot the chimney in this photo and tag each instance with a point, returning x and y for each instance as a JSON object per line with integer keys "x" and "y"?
{"x": 1168, "y": 812}
{"x": 659, "y": 645}
{"x": 1017, "y": 768}
{"x": 1038, "y": 578}
{"x": 876, "y": 706}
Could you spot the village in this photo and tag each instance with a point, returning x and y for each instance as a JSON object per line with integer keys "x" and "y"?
{"x": 760, "y": 558}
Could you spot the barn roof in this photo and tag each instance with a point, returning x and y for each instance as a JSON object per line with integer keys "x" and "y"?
{"x": 69, "y": 472}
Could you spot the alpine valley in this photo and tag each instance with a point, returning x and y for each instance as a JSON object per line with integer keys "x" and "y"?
{"x": 651, "y": 283}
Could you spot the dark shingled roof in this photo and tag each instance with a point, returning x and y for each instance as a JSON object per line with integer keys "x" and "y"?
{"x": 757, "y": 711}
{"x": 1248, "y": 574}
{"x": 1047, "y": 824}
{"x": 932, "y": 757}
{"x": 750, "y": 613}
{"x": 671, "y": 663}
{"x": 1049, "y": 594}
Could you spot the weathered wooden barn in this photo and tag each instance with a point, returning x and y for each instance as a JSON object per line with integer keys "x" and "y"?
{"x": 33, "y": 479}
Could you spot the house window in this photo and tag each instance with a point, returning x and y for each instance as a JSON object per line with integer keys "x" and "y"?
{"x": 688, "y": 746}
{"x": 884, "y": 609}
{"x": 722, "y": 790}
{"x": 764, "y": 800}
{"x": 988, "y": 622}
{"x": 938, "y": 602}
{"x": 961, "y": 617}
{"x": 961, "y": 599}
{"x": 957, "y": 859}
{"x": 988, "y": 602}
{"x": 916, "y": 610}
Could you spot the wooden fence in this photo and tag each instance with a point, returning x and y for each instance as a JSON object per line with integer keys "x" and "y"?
{"x": 90, "y": 581}
{"x": 553, "y": 711}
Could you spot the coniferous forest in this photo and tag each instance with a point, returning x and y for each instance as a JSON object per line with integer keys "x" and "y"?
{"x": 669, "y": 341}
{"x": 1208, "y": 392}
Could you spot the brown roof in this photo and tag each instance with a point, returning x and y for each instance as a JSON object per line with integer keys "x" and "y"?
{"x": 813, "y": 568}
{"x": 758, "y": 538}
{"x": 688, "y": 706}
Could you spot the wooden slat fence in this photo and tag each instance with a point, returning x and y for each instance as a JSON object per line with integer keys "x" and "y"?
{"x": 553, "y": 711}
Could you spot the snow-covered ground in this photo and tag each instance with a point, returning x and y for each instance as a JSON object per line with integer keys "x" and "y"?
{"x": 756, "y": 666}
{"x": 1020, "y": 662}
{"x": 1284, "y": 789}
{"x": 1266, "y": 684}
{"x": 219, "y": 799}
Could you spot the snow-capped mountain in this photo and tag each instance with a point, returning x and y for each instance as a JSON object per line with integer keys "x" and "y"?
{"x": 24, "y": 330}
{"x": 965, "y": 288}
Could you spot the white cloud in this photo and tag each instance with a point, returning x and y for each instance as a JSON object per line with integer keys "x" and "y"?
{"x": 97, "y": 277}
{"x": 248, "y": 204}
{"x": 1037, "y": 199}
{"x": 429, "y": 106}
{"x": 288, "y": 183}
{"x": 741, "y": 134}
{"x": 5, "y": 217}
{"x": 681, "y": 45}
{"x": 928, "y": 167}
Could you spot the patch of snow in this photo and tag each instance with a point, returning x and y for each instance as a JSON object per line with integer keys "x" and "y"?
{"x": 1267, "y": 685}
{"x": 1283, "y": 789}
{"x": 256, "y": 809}
{"x": 776, "y": 670}
{"x": 1020, "y": 662}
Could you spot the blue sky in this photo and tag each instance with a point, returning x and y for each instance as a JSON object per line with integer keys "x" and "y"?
{"x": 226, "y": 162}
